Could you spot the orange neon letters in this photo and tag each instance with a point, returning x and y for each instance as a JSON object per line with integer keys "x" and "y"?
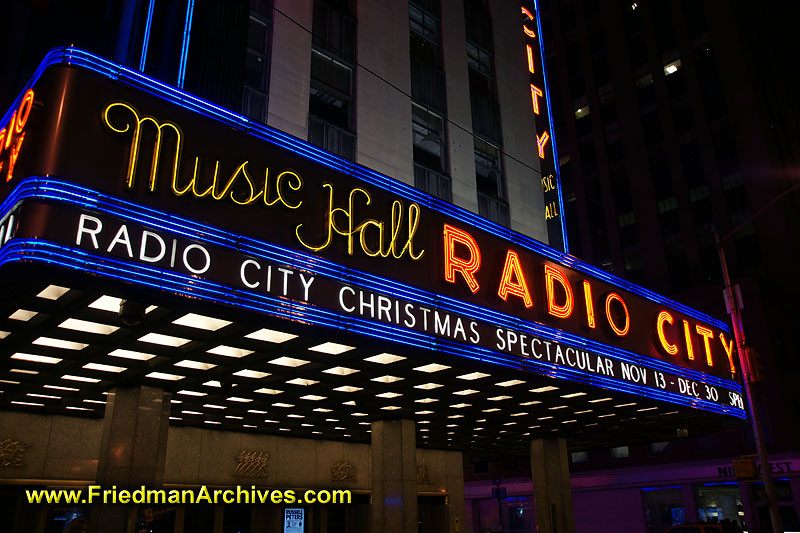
{"x": 512, "y": 270}
{"x": 541, "y": 141}
{"x": 707, "y": 336}
{"x": 552, "y": 275}
{"x": 664, "y": 316}
{"x": 728, "y": 351}
{"x": 618, "y": 330}
{"x": 453, "y": 264}
{"x": 535, "y": 94}
{"x": 529, "y": 32}
{"x": 531, "y": 67}
{"x": 587, "y": 293}
{"x": 687, "y": 333}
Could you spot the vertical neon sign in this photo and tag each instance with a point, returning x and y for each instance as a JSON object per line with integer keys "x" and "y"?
{"x": 545, "y": 137}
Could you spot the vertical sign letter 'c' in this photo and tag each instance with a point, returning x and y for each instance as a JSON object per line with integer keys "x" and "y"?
{"x": 453, "y": 264}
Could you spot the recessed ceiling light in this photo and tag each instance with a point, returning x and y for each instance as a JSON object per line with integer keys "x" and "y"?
{"x": 230, "y": 351}
{"x": 270, "y": 335}
{"x": 4, "y": 334}
{"x": 104, "y": 368}
{"x": 248, "y": 426}
{"x": 95, "y": 401}
{"x": 284, "y": 405}
{"x": 192, "y": 393}
{"x": 428, "y": 386}
{"x": 509, "y": 423}
{"x": 431, "y": 367}
{"x": 456, "y": 416}
{"x": 87, "y": 326}
{"x": 213, "y": 383}
{"x": 312, "y": 397}
{"x": 600, "y": 400}
{"x": 510, "y": 383}
{"x": 52, "y": 292}
{"x": 302, "y": 382}
{"x": 21, "y": 371}
{"x": 606, "y": 416}
{"x": 31, "y": 404}
{"x": 271, "y": 421}
{"x": 557, "y": 407}
{"x": 499, "y": 398}
{"x": 388, "y": 395}
{"x": 22, "y": 315}
{"x": 323, "y": 410}
{"x": 460, "y": 405}
{"x": 164, "y": 376}
{"x": 193, "y": 320}
{"x": 213, "y": 406}
{"x": 545, "y": 418}
{"x": 232, "y": 417}
{"x": 238, "y": 400}
{"x": 387, "y": 379}
{"x": 465, "y": 392}
{"x": 359, "y": 414}
{"x": 256, "y": 412}
{"x": 518, "y": 414}
{"x": 268, "y": 391}
{"x": 626, "y": 404}
{"x": 331, "y": 348}
{"x": 176, "y": 401}
{"x": 544, "y": 389}
{"x": 48, "y": 396}
{"x": 59, "y": 343}
{"x": 473, "y": 376}
{"x": 492, "y": 410}
{"x": 58, "y": 387}
{"x": 212, "y": 422}
{"x": 574, "y": 395}
{"x": 423, "y": 413}
{"x": 348, "y": 388}
{"x": 164, "y": 340}
{"x": 196, "y": 365}
{"x": 646, "y": 409}
{"x": 107, "y": 303}
{"x": 534, "y": 402}
{"x": 384, "y": 358}
{"x": 255, "y": 374}
{"x": 341, "y": 371}
{"x": 130, "y": 354}
{"x": 36, "y": 358}
{"x": 289, "y": 361}
{"x": 80, "y": 378}
{"x": 351, "y": 403}
{"x": 583, "y": 412}
{"x": 72, "y": 408}
{"x": 391, "y": 408}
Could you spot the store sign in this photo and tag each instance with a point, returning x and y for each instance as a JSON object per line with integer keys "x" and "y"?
{"x": 544, "y": 143}
{"x": 293, "y": 520}
{"x": 305, "y": 231}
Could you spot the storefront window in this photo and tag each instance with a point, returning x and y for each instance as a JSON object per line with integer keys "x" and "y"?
{"x": 719, "y": 501}
{"x": 664, "y": 508}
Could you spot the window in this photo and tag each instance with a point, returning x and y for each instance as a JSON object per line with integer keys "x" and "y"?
{"x": 334, "y": 29}
{"x": 331, "y": 116}
{"x": 492, "y": 201}
{"x": 658, "y": 448}
{"x": 256, "y": 64}
{"x": 427, "y": 77}
{"x": 430, "y": 149}
{"x": 579, "y": 457}
{"x": 620, "y": 452}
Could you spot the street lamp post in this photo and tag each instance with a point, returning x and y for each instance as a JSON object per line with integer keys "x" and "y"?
{"x": 744, "y": 363}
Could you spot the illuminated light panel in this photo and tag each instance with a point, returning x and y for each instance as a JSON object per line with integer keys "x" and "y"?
{"x": 359, "y": 414}
{"x": 270, "y": 335}
{"x": 256, "y": 412}
{"x": 192, "y": 393}
{"x": 568, "y": 421}
{"x": 55, "y": 387}
{"x": 518, "y": 414}
{"x": 211, "y": 422}
{"x": 533, "y": 402}
{"x": 431, "y": 368}
{"x": 473, "y": 376}
{"x": 232, "y": 417}
{"x": 20, "y": 371}
{"x": 388, "y": 395}
{"x": 268, "y": 391}
{"x": 545, "y": 418}
{"x": 582, "y": 412}
{"x": 303, "y": 382}
{"x": 423, "y": 413}
{"x": 196, "y": 365}
{"x": 384, "y": 358}
{"x": 164, "y": 376}
{"x": 31, "y": 404}
{"x": 111, "y": 304}
{"x": 95, "y": 401}
{"x": 48, "y": 396}
{"x": 291, "y": 362}
{"x": 331, "y": 348}
{"x": 164, "y": 340}
{"x": 395, "y": 408}
{"x": 426, "y": 400}
{"x": 73, "y": 408}
{"x": 492, "y": 410}
{"x": 104, "y": 368}
{"x": 248, "y": 426}
{"x": 131, "y": 354}
{"x": 176, "y": 401}
{"x": 192, "y": 320}
{"x": 646, "y": 409}
{"x": 557, "y": 407}
{"x": 606, "y": 416}
{"x": 510, "y": 383}
{"x": 509, "y": 423}
{"x": 238, "y": 400}
{"x": 4, "y": 334}
{"x": 428, "y": 386}
{"x": 461, "y": 405}
{"x": 499, "y": 398}
{"x": 340, "y": 371}
{"x": 59, "y": 343}
{"x": 79, "y": 378}
{"x": 600, "y": 400}
{"x": 33, "y": 358}
{"x": 229, "y": 351}
{"x": 544, "y": 389}
{"x": 284, "y": 405}
{"x": 213, "y": 406}
{"x": 87, "y": 326}
{"x": 247, "y": 373}
{"x": 466, "y": 392}
{"x": 323, "y": 410}
{"x": 52, "y": 292}
{"x": 387, "y": 379}
{"x": 574, "y": 395}
{"x": 626, "y": 404}
{"x": 22, "y": 315}
{"x": 348, "y": 388}
{"x": 672, "y": 68}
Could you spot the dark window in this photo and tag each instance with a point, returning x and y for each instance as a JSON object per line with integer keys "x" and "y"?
{"x": 330, "y": 91}
{"x": 491, "y": 183}
{"x": 257, "y": 62}
{"x": 335, "y": 29}
{"x": 478, "y": 23}
{"x": 430, "y": 147}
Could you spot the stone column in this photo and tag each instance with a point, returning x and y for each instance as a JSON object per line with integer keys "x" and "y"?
{"x": 454, "y": 483}
{"x": 551, "y": 487}
{"x": 394, "y": 476}
{"x": 132, "y": 451}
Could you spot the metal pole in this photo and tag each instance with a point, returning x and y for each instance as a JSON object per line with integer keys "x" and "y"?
{"x": 738, "y": 331}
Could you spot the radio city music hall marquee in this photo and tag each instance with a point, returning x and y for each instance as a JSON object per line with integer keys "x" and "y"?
{"x": 136, "y": 181}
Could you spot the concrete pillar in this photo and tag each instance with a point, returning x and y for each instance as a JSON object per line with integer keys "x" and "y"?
{"x": 552, "y": 493}
{"x": 394, "y": 476}
{"x": 454, "y": 484}
{"x": 132, "y": 451}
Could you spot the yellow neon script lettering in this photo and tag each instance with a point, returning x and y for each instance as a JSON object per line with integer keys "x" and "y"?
{"x": 137, "y": 122}
{"x": 350, "y": 229}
